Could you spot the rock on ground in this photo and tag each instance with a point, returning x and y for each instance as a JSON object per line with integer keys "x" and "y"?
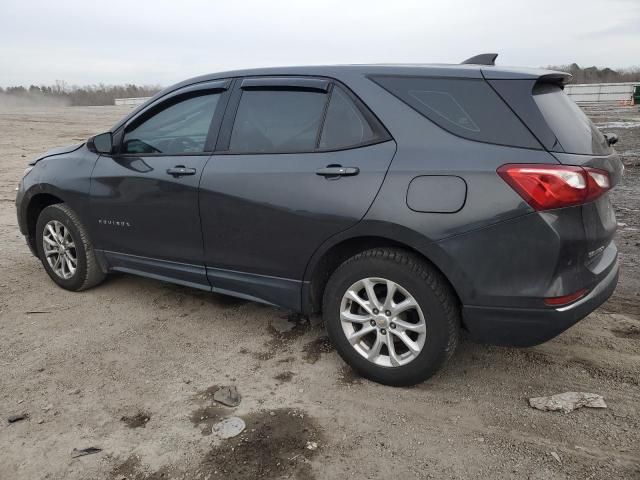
{"x": 228, "y": 396}
{"x": 568, "y": 401}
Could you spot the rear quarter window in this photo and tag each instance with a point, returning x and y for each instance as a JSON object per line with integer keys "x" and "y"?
{"x": 465, "y": 107}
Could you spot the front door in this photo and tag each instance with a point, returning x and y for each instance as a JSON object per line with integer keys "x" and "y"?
{"x": 302, "y": 160}
{"x": 144, "y": 198}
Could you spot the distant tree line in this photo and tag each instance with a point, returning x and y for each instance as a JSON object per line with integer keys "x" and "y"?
{"x": 599, "y": 75}
{"x": 75, "y": 95}
{"x": 102, "y": 94}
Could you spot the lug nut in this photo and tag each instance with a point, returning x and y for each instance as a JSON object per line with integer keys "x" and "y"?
{"x": 388, "y": 313}
{"x": 383, "y": 331}
{"x": 373, "y": 323}
{"x": 375, "y": 311}
{"x": 393, "y": 325}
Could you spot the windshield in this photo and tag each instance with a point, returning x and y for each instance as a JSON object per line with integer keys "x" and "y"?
{"x": 575, "y": 132}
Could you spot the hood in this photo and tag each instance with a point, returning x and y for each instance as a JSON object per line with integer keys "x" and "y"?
{"x": 57, "y": 151}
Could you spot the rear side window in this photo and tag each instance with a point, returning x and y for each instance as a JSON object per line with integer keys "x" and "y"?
{"x": 277, "y": 121}
{"x": 573, "y": 129}
{"x": 345, "y": 124}
{"x": 297, "y": 120}
{"x": 181, "y": 128}
{"x": 468, "y": 108}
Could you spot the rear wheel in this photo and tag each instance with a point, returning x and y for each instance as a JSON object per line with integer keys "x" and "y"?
{"x": 65, "y": 250}
{"x": 391, "y": 316}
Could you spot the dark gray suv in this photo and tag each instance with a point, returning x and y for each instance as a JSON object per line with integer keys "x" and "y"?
{"x": 403, "y": 202}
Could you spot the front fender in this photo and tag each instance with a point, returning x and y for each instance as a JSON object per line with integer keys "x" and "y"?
{"x": 67, "y": 177}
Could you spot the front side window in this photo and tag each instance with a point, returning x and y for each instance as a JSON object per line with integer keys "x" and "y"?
{"x": 181, "y": 128}
{"x": 277, "y": 121}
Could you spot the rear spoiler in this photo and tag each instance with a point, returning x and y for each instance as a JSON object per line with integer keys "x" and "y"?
{"x": 558, "y": 78}
{"x": 524, "y": 73}
{"x": 516, "y": 73}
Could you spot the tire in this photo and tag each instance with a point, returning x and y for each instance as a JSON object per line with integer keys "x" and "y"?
{"x": 87, "y": 271}
{"x": 431, "y": 327}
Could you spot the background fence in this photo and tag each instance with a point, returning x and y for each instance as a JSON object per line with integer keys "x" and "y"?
{"x": 618, "y": 93}
{"x": 133, "y": 101}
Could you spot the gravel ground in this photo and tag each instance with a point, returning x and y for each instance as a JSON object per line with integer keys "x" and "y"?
{"x": 130, "y": 367}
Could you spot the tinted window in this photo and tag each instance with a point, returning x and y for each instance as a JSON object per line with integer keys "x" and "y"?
{"x": 276, "y": 121}
{"x": 446, "y": 107}
{"x": 178, "y": 129}
{"x": 465, "y": 107}
{"x": 575, "y": 132}
{"x": 344, "y": 125}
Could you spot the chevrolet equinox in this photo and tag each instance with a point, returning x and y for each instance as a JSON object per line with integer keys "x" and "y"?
{"x": 404, "y": 202}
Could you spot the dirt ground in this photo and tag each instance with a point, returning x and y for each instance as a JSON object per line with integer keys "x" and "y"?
{"x": 130, "y": 367}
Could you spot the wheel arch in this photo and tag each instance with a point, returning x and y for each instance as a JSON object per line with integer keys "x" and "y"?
{"x": 341, "y": 247}
{"x": 37, "y": 202}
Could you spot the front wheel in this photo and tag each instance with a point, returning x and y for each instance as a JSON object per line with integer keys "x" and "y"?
{"x": 65, "y": 250}
{"x": 391, "y": 316}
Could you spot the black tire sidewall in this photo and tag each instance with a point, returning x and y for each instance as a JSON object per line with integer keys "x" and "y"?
{"x": 434, "y": 352}
{"x": 77, "y": 280}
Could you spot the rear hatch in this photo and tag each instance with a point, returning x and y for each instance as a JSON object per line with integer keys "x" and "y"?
{"x": 570, "y": 136}
{"x": 578, "y": 141}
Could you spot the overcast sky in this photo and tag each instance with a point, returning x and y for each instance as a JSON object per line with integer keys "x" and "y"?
{"x": 161, "y": 42}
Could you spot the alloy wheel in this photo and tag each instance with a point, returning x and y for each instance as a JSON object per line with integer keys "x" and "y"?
{"x": 383, "y": 322}
{"x": 59, "y": 249}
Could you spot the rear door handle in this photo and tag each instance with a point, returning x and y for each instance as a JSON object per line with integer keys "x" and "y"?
{"x": 180, "y": 171}
{"x": 337, "y": 171}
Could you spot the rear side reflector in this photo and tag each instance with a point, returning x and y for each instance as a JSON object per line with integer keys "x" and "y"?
{"x": 558, "y": 301}
{"x": 545, "y": 187}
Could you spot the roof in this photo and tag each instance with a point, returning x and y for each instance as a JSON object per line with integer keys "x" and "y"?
{"x": 341, "y": 71}
{"x": 431, "y": 69}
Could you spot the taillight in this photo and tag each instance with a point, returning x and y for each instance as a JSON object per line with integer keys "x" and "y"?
{"x": 597, "y": 183}
{"x": 545, "y": 187}
{"x": 566, "y": 299}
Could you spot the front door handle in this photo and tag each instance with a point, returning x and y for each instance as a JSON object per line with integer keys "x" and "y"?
{"x": 181, "y": 171}
{"x": 337, "y": 171}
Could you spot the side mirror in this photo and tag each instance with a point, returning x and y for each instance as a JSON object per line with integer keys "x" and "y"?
{"x": 612, "y": 138}
{"x": 102, "y": 143}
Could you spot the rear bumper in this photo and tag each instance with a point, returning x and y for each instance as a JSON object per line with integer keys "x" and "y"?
{"x": 525, "y": 327}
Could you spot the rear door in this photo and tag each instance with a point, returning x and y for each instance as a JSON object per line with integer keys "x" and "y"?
{"x": 298, "y": 160}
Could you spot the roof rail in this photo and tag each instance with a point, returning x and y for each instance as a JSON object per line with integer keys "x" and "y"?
{"x": 482, "y": 59}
